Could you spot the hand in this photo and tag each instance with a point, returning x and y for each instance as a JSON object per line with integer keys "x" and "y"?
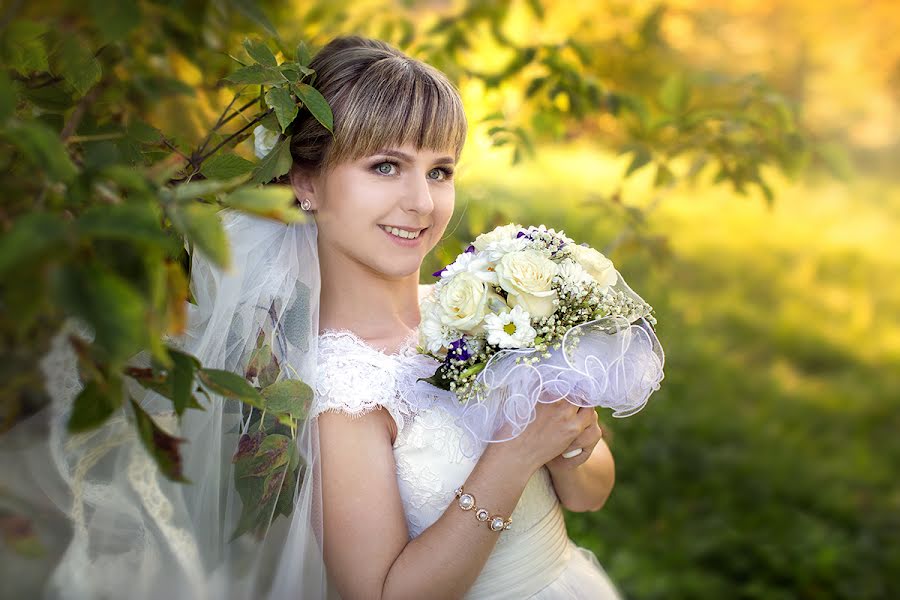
{"x": 587, "y": 440}
{"x": 556, "y": 427}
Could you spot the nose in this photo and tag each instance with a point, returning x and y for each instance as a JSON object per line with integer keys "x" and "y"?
{"x": 418, "y": 196}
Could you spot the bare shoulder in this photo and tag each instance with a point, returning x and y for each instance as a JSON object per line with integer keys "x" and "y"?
{"x": 337, "y": 425}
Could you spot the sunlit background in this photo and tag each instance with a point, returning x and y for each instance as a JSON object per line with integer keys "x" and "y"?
{"x": 766, "y": 239}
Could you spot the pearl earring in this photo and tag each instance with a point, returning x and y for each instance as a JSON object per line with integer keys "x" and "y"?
{"x": 306, "y": 204}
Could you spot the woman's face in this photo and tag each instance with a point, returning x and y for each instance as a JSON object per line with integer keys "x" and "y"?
{"x": 360, "y": 205}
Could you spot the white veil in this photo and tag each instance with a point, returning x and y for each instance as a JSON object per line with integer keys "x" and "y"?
{"x": 131, "y": 532}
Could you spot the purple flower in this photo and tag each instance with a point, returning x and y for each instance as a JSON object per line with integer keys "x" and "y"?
{"x": 439, "y": 273}
{"x": 459, "y": 350}
{"x": 471, "y": 248}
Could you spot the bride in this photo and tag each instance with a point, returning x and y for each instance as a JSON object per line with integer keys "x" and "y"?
{"x": 377, "y": 495}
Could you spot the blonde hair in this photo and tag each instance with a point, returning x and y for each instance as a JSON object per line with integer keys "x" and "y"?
{"x": 380, "y": 98}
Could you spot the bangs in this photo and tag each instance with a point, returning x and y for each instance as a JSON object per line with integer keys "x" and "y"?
{"x": 395, "y": 102}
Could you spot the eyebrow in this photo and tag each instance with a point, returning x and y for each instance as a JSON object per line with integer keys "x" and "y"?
{"x": 443, "y": 160}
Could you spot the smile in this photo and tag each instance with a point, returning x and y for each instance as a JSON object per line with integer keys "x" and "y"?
{"x": 402, "y": 233}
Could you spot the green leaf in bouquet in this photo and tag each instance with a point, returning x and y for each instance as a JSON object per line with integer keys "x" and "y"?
{"x": 260, "y": 52}
{"x": 290, "y": 397}
{"x": 274, "y": 164}
{"x": 74, "y": 61}
{"x": 162, "y": 446}
{"x": 273, "y": 202}
{"x": 283, "y": 103}
{"x": 438, "y": 380}
{"x": 201, "y": 225}
{"x": 226, "y": 166}
{"x": 95, "y": 404}
{"x": 317, "y": 105}
{"x": 473, "y": 370}
{"x": 231, "y": 385}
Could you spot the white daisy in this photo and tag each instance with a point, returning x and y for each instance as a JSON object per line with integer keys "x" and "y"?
{"x": 510, "y": 329}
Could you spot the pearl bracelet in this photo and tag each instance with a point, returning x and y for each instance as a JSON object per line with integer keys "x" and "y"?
{"x": 467, "y": 502}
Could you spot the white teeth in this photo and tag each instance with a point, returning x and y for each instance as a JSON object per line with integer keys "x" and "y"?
{"x": 402, "y": 233}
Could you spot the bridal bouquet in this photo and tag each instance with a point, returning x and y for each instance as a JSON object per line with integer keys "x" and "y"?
{"x": 527, "y": 310}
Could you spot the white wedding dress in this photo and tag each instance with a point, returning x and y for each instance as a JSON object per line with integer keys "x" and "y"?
{"x": 534, "y": 558}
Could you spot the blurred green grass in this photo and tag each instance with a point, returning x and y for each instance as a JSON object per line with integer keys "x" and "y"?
{"x": 766, "y": 465}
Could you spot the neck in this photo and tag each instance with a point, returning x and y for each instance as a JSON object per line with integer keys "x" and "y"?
{"x": 368, "y": 303}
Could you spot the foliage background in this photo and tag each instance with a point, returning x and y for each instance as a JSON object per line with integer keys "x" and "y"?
{"x": 765, "y": 467}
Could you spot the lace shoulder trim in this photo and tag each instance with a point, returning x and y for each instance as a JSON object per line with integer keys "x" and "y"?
{"x": 356, "y": 378}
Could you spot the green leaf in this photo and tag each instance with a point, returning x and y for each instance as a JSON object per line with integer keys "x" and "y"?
{"x": 200, "y": 224}
{"x": 226, "y": 166}
{"x": 274, "y": 164}
{"x": 641, "y": 158}
{"x": 23, "y": 47}
{"x": 273, "y": 202}
{"x": 251, "y": 10}
{"x": 74, "y": 61}
{"x": 259, "y": 52}
{"x": 289, "y": 396}
{"x": 285, "y": 107}
{"x": 115, "y": 19}
{"x": 162, "y": 446}
{"x": 182, "y": 376}
{"x": 272, "y": 454}
{"x": 135, "y": 222}
{"x": 285, "y": 503}
{"x": 43, "y": 148}
{"x": 303, "y": 55}
{"x": 32, "y": 235}
{"x": 94, "y": 405}
{"x": 108, "y": 303}
{"x": 255, "y": 75}
{"x": 674, "y": 93}
{"x": 231, "y": 385}
{"x": 316, "y": 104}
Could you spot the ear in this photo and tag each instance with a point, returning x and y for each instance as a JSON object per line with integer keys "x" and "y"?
{"x": 303, "y": 184}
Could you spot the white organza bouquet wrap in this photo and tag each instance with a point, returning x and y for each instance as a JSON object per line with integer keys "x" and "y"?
{"x": 526, "y": 315}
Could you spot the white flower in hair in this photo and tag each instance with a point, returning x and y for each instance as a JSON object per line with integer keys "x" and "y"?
{"x": 511, "y": 329}
{"x": 264, "y": 139}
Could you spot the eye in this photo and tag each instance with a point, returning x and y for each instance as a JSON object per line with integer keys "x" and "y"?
{"x": 439, "y": 174}
{"x": 385, "y": 168}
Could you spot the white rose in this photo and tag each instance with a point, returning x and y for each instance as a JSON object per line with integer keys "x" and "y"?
{"x": 464, "y": 302}
{"x": 264, "y": 139}
{"x": 504, "y": 232}
{"x": 598, "y": 266}
{"x": 473, "y": 263}
{"x": 527, "y": 277}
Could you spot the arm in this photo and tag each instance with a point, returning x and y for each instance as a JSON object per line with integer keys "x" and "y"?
{"x": 367, "y": 547}
{"x": 583, "y": 483}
